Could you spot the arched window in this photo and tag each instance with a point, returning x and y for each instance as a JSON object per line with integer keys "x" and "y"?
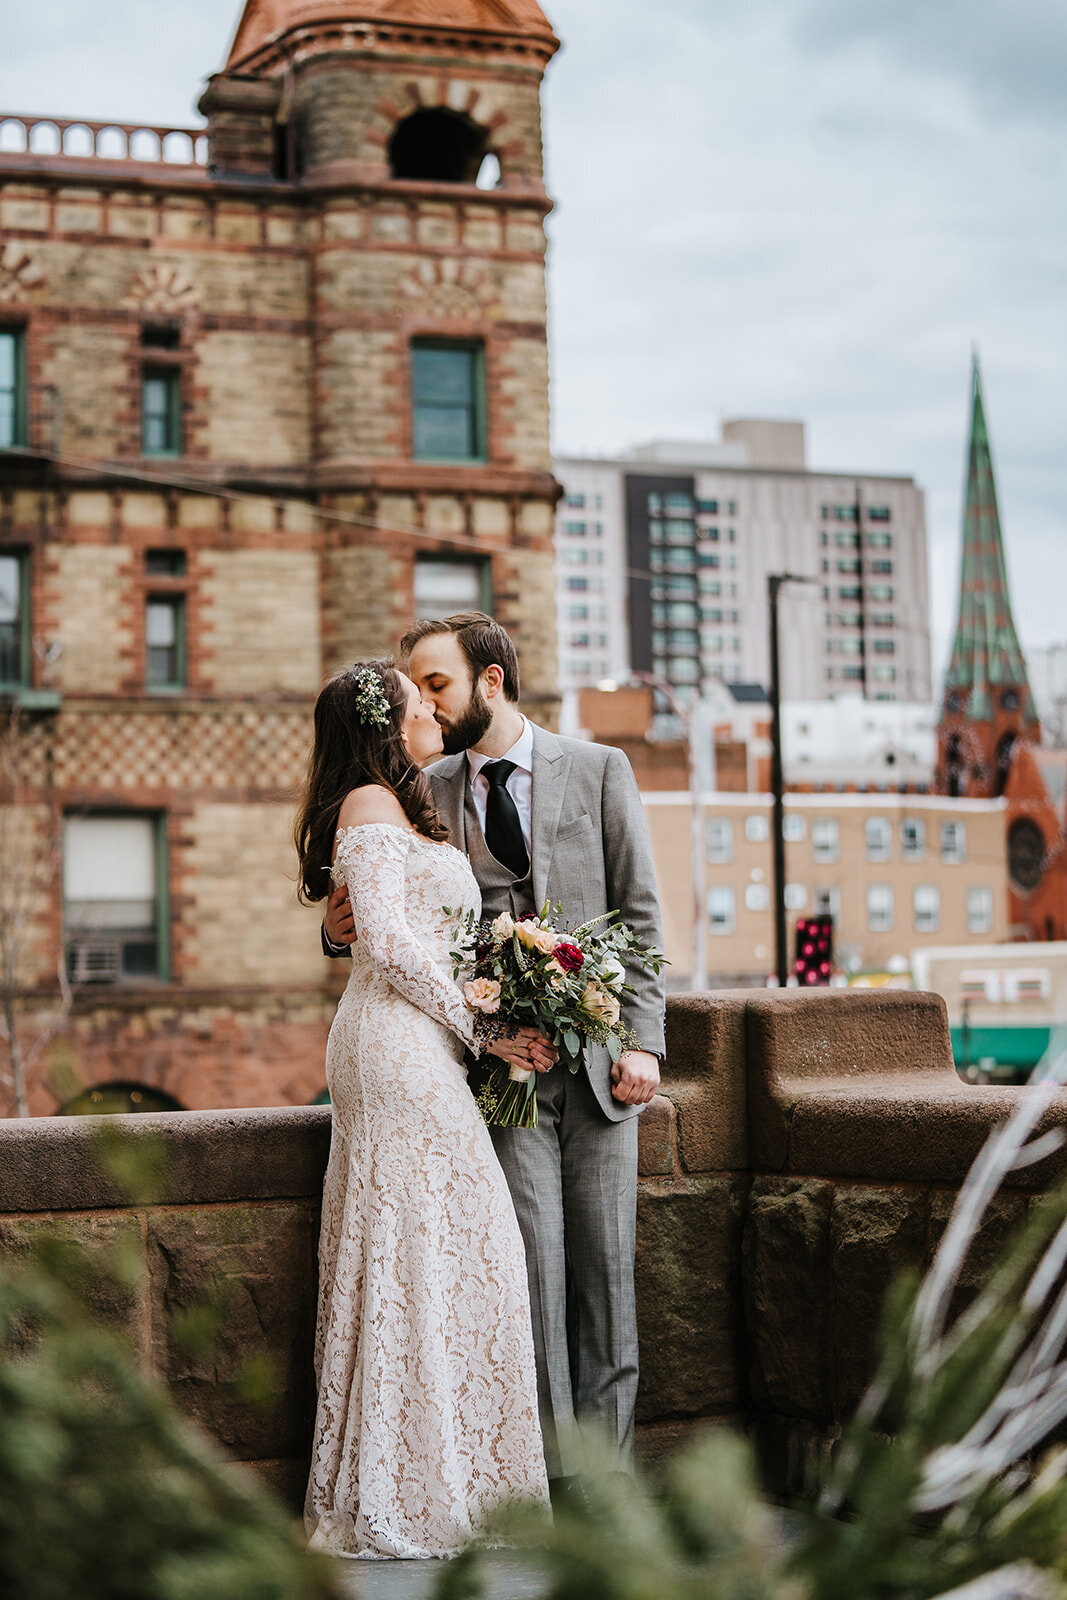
{"x": 438, "y": 147}
{"x": 1026, "y": 854}
{"x": 107, "y": 1099}
{"x": 1005, "y": 751}
{"x": 955, "y": 767}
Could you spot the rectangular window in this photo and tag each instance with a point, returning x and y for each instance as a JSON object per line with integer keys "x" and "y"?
{"x": 445, "y": 586}
{"x": 574, "y": 502}
{"x": 825, "y": 840}
{"x": 880, "y": 592}
{"x": 849, "y": 591}
{"x": 847, "y": 541}
{"x": 828, "y": 902}
{"x": 719, "y": 838}
{"x": 14, "y": 621}
{"x": 576, "y": 556}
{"x": 913, "y": 839}
{"x": 722, "y": 913}
{"x": 882, "y": 568}
{"x": 883, "y": 619}
{"x": 880, "y": 541}
{"x": 448, "y": 401}
{"x": 160, "y": 412}
{"x": 114, "y": 898}
{"x": 884, "y": 647}
{"x": 794, "y": 828}
{"x": 12, "y": 389}
{"x": 164, "y": 631}
{"x": 165, "y": 563}
{"x": 578, "y": 613}
{"x": 757, "y": 897}
{"x": 979, "y": 909}
{"x": 757, "y": 828}
{"x": 879, "y": 839}
{"x": 849, "y": 564}
{"x": 574, "y": 586}
{"x": 953, "y": 842}
{"x": 796, "y": 897}
{"x": 879, "y": 908}
{"x": 927, "y": 903}
{"x": 575, "y": 529}
{"x": 878, "y": 513}
{"x": 884, "y": 674}
{"x": 852, "y": 674}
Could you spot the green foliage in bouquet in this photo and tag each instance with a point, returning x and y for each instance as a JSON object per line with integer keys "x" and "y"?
{"x": 944, "y": 1484}
{"x": 570, "y": 984}
{"x": 105, "y": 1490}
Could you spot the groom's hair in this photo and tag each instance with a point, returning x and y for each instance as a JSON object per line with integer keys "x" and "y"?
{"x": 483, "y": 642}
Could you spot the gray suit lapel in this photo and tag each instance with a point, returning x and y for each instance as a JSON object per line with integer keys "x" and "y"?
{"x": 551, "y": 765}
{"x": 448, "y": 779}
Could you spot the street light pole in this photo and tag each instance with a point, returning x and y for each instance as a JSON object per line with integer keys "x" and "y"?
{"x": 693, "y": 724}
{"x": 775, "y": 581}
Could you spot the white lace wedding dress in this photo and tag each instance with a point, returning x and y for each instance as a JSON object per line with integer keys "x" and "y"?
{"x": 427, "y": 1409}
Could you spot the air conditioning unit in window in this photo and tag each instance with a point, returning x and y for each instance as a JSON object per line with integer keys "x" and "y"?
{"x": 94, "y": 960}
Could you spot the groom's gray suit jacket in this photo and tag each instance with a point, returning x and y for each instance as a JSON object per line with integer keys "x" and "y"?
{"x": 590, "y": 851}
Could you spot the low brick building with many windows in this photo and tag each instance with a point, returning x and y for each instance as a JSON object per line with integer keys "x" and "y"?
{"x": 269, "y": 387}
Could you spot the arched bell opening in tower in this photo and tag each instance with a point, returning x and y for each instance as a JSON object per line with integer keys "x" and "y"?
{"x": 438, "y": 147}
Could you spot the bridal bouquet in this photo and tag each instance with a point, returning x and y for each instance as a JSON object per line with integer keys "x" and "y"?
{"x": 568, "y": 983}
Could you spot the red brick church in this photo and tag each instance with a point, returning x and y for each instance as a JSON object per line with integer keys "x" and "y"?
{"x": 989, "y": 740}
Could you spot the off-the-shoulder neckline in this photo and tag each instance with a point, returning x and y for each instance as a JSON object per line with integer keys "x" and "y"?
{"x": 394, "y": 827}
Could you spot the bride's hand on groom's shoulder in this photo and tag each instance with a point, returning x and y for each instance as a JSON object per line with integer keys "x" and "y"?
{"x": 635, "y": 1077}
{"x": 340, "y": 928}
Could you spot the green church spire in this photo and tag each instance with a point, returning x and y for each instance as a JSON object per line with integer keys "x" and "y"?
{"x": 986, "y": 657}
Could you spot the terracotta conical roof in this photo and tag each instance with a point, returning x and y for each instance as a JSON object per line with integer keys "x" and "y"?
{"x": 265, "y": 20}
{"x": 985, "y": 654}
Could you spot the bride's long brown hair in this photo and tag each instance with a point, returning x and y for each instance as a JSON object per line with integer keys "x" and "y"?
{"x": 348, "y": 753}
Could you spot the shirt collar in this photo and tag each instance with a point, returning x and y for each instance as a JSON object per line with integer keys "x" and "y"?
{"x": 521, "y": 753}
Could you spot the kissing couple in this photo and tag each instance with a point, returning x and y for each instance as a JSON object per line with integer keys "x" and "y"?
{"x": 476, "y": 1297}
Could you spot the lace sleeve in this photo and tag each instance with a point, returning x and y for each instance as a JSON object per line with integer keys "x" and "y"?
{"x": 371, "y": 859}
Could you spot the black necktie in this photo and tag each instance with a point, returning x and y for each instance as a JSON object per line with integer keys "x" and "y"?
{"x": 503, "y": 830}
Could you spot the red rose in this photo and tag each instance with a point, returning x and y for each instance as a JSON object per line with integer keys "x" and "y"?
{"x": 569, "y": 957}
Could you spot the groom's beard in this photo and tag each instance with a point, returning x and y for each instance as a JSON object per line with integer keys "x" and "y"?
{"x": 471, "y": 725}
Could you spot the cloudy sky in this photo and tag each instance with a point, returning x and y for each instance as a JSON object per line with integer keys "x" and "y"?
{"x": 797, "y": 208}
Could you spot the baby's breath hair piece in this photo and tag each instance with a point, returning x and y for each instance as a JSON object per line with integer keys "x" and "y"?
{"x": 371, "y": 702}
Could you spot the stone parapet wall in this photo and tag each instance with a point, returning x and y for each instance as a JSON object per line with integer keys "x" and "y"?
{"x": 804, "y": 1149}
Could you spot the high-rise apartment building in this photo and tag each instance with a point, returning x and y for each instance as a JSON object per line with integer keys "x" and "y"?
{"x": 663, "y": 556}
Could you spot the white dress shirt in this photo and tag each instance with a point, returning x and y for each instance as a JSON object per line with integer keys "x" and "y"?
{"x": 519, "y": 784}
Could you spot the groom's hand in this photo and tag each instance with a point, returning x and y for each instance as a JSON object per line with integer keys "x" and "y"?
{"x": 338, "y": 922}
{"x": 635, "y": 1078}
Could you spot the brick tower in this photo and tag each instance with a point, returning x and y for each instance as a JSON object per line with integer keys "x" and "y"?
{"x": 987, "y": 706}
{"x": 269, "y": 389}
{"x": 989, "y": 737}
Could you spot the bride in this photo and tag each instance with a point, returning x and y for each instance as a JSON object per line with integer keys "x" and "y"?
{"x": 427, "y": 1408}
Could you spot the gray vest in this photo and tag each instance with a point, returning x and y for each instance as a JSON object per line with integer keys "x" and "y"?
{"x": 501, "y": 890}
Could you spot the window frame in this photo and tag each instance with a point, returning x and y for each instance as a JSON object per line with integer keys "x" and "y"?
{"x": 484, "y": 566}
{"x": 883, "y": 919}
{"x": 727, "y": 924}
{"x": 475, "y": 349}
{"x": 955, "y": 855}
{"x": 820, "y": 851}
{"x": 152, "y": 372}
{"x": 175, "y": 602}
{"x": 16, "y": 332}
{"x": 21, "y": 557}
{"x": 161, "y": 888}
{"x": 722, "y": 853}
{"x": 986, "y": 891}
{"x": 934, "y": 892}
{"x": 918, "y": 852}
{"x": 874, "y": 852}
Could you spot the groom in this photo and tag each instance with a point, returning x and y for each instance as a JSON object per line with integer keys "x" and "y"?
{"x": 544, "y": 818}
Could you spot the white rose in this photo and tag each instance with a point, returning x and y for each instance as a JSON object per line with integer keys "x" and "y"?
{"x": 503, "y": 927}
{"x": 612, "y": 972}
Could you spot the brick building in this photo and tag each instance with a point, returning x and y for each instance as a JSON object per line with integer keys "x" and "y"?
{"x": 268, "y": 388}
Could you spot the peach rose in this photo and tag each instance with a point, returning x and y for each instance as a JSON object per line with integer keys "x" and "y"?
{"x": 600, "y": 1004}
{"x": 555, "y": 973}
{"x": 483, "y": 994}
{"x": 503, "y": 927}
{"x": 545, "y": 941}
{"x": 527, "y": 932}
